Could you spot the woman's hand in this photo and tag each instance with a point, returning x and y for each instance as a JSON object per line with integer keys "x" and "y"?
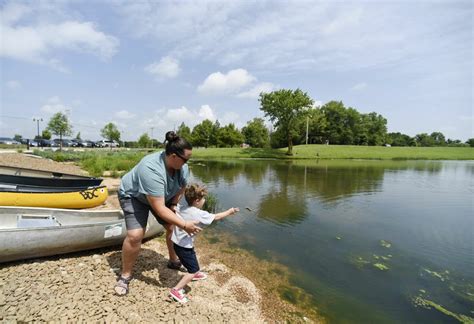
{"x": 191, "y": 227}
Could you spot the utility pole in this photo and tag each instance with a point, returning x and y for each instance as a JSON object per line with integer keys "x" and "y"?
{"x": 37, "y": 120}
{"x": 307, "y": 124}
{"x": 152, "y": 136}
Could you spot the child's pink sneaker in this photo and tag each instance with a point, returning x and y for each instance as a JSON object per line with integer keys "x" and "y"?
{"x": 200, "y": 276}
{"x": 178, "y": 295}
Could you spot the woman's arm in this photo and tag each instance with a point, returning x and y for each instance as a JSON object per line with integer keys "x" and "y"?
{"x": 175, "y": 200}
{"x": 228, "y": 212}
{"x": 158, "y": 205}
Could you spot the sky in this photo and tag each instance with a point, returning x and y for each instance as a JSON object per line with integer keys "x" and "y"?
{"x": 148, "y": 66}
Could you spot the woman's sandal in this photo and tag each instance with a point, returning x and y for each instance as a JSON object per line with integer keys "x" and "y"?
{"x": 121, "y": 287}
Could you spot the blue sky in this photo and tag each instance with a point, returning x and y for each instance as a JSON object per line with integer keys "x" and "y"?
{"x": 147, "y": 66}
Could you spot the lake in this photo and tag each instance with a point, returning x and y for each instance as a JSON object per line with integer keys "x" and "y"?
{"x": 368, "y": 241}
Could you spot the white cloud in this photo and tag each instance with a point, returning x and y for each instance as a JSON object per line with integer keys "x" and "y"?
{"x": 39, "y": 42}
{"x": 231, "y": 117}
{"x": 218, "y": 83}
{"x": 179, "y": 115}
{"x": 292, "y": 36}
{"x": 54, "y": 105}
{"x": 359, "y": 86}
{"x": 206, "y": 113}
{"x": 13, "y": 84}
{"x": 168, "y": 67}
{"x": 124, "y": 114}
{"x": 254, "y": 92}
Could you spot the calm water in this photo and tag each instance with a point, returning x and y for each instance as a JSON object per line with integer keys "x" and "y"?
{"x": 331, "y": 222}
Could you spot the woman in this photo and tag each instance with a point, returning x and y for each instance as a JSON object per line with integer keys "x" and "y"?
{"x": 155, "y": 184}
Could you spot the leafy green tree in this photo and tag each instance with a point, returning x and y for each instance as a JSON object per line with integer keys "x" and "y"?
{"x": 470, "y": 142}
{"x": 335, "y": 114}
{"x": 438, "y": 139}
{"x": 255, "y": 133}
{"x": 399, "y": 139}
{"x": 317, "y": 125}
{"x": 284, "y": 107}
{"x": 110, "y": 132}
{"x": 78, "y": 136}
{"x": 18, "y": 137}
{"x": 376, "y": 128}
{"x": 424, "y": 139}
{"x": 201, "y": 133}
{"x": 214, "y": 133}
{"x": 184, "y": 132}
{"x": 46, "y": 134}
{"x": 59, "y": 125}
{"x": 229, "y": 136}
{"x": 144, "y": 140}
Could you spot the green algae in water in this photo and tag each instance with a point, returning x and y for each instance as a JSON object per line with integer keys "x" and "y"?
{"x": 213, "y": 239}
{"x": 429, "y": 304}
{"x": 441, "y": 276}
{"x": 294, "y": 295}
{"x": 385, "y": 244}
{"x": 381, "y": 266}
{"x": 359, "y": 262}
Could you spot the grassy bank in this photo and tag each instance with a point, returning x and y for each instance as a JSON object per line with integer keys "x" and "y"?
{"x": 342, "y": 152}
{"x": 119, "y": 161}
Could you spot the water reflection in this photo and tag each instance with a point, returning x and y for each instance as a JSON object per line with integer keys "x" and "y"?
{"x": 319, "y": 216}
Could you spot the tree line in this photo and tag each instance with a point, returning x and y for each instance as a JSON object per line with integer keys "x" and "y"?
{"x": 295, "y": 120}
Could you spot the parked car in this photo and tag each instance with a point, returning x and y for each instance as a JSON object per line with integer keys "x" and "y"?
{"x": 88, "y": 143}
{"x": 66, "y": 142}
{"x": 105, "y": 143}
{"x": 8, "y": 141}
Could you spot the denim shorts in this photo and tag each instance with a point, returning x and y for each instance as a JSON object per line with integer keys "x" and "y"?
{"x": 136, "y": 213}
{"x": 188, "y": 259}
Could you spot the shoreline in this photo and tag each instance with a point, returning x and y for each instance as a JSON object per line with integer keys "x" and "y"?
{"x": 79, "y": 286}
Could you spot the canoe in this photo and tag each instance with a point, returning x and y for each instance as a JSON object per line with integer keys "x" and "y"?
{"x": 32, "y": 177}
{"x": 79, "y": 198}
{"x": 35, "y": 232}
{"x": 27, "y": 188}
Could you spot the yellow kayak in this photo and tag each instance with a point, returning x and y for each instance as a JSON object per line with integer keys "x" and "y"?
{"x": 79, "y": 198}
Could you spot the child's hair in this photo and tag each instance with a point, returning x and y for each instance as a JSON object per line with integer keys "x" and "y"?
{"x": 194, "y": 192}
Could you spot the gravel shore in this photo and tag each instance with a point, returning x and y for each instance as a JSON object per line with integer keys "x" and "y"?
{"x": 78, "y": 287}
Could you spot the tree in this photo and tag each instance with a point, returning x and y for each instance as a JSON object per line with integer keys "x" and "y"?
{"x": 376, "y": 127}
{"x": 214, "y": 133}
{"x": 144, "y": 140}
{"x": 110, "y": 132}
{"x": 229, "y": 136}
{"x": 438, "y": 139}
{"x": 78, "y": 136}
{"x": 46, "y": 134}
{"x": 18, "y": 137}
{"x": 399, "y": 139}
{"x": 201, "y": 133}
{"x": 284, "y": 107}
{"x": 255, "y": 133}
{"x": 424, "y": 139}
{"x": 470, "y": 142}
{"x": 184, "y": 132}
{"x": 59, "y": 125}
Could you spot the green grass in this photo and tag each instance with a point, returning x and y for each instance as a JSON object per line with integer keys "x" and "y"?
{"x": 97, "y": 162}
{"x": 341, "y": 152}
{"x": 119, "y": 161}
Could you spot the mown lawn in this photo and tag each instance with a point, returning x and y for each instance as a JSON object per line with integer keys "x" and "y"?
{"x": 117, "y": 162}
{"x": 342, "y": 152}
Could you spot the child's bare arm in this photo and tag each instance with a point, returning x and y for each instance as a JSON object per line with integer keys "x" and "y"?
{"x": 228, "y": 212}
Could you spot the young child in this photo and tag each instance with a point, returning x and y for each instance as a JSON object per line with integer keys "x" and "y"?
{"x": 183, "y": 242}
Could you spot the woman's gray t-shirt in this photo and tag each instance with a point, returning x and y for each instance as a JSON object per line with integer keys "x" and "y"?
{"x": 149, "y": 177}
